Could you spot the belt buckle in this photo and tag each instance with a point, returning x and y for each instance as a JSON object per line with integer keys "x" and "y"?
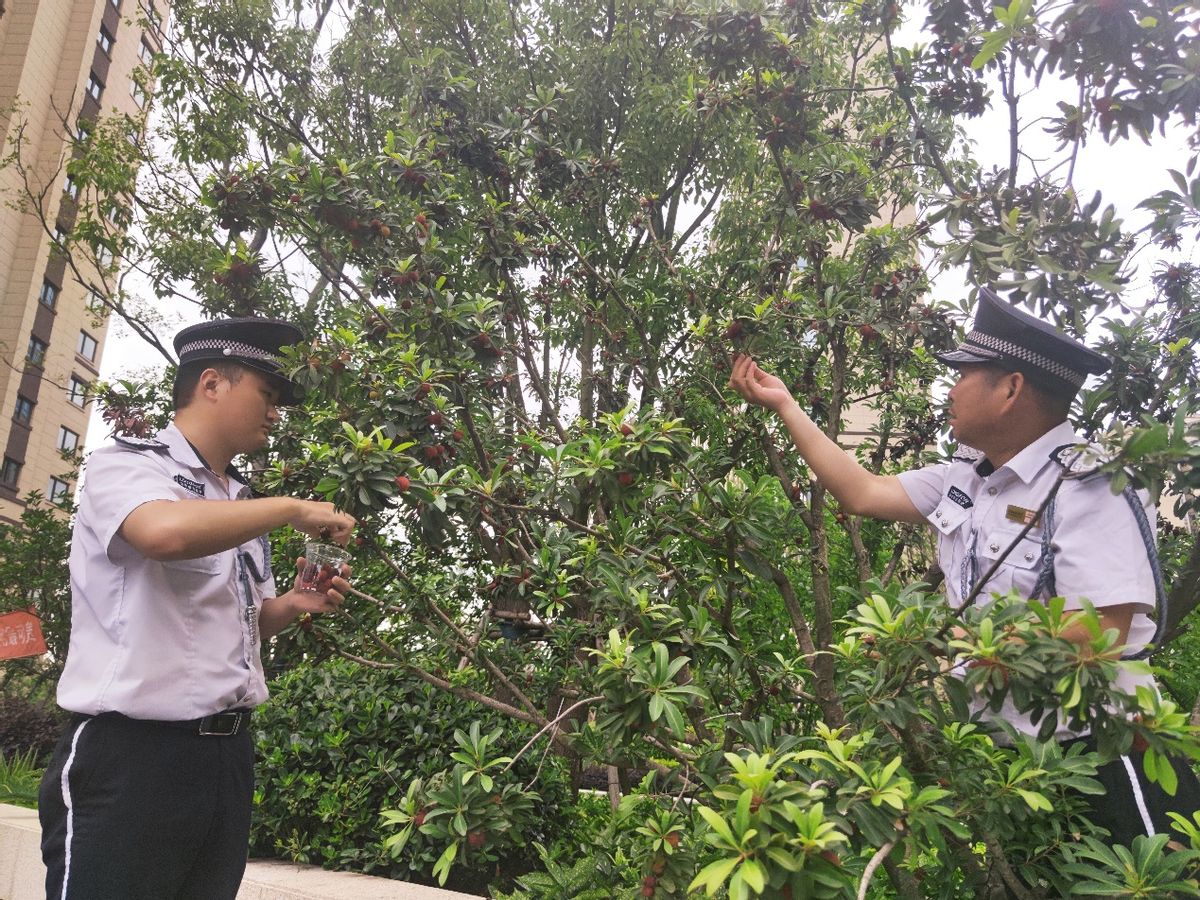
{"x": 211, "y": 726}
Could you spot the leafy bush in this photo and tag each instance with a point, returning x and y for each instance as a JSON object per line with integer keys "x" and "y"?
{"x": 339, "y": 743}
{"x": 19, "y": 779}
{"x": 28, "y": 727}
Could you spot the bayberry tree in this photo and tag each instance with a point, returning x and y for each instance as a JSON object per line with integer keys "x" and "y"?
{"x": 526, "y": 240}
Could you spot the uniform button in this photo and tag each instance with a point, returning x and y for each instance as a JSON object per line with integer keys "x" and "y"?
{"x": 938, "y": 513}
{"x": 995, "y": 548}
{"x": 1028, "y": 557}
{"x": 945, "y": 523}
{"x": 992, "y": 491}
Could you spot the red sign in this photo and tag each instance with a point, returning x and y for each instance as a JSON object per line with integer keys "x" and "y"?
{"x": 21, "y": 635}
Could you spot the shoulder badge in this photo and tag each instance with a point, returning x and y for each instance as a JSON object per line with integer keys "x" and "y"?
{"x": 137, "y": 443}
{"x": 1080, "y": 460}
{"x": 963, "y": 453}
{"x": 195, "y": 487}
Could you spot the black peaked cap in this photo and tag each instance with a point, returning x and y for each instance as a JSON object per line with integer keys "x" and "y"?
{"x": 252, "y": 341}
{"x": 1004, "y": 335}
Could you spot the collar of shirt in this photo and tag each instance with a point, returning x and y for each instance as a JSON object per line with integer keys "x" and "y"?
{"x": 1034, "y": 458}
{"x": 182, "y": 451}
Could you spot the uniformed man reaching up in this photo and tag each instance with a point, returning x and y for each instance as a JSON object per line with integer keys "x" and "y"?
{"x": 149, "y": 792}
{"x": 1017, "y": 377}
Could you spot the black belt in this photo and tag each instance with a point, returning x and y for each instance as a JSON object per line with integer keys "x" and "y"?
{"x": 222, "y": 724}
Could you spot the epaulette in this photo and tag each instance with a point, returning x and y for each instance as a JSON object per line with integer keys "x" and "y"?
{"x": 139, "y": 443}
{"x": 963, "y": 453}
{"x": 1080, "y": 460}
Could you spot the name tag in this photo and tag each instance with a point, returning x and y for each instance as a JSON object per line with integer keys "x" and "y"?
{"x": 1021, "y": 515}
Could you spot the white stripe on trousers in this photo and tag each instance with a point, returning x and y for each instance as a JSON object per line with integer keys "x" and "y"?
{"x": 1140, "y": 800}
{"x": 66, "y": 795}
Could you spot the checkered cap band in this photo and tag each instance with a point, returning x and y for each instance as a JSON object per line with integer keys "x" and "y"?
{"x": 230, "y": 348}
{"x": 1033, "y": 358}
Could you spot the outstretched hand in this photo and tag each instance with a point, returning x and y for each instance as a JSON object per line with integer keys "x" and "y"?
{"x": 758, "y": 387}
{"x": 323, "y": 521}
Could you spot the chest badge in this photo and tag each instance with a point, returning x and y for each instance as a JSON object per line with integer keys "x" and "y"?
{"x": 1021, "y": 515}
{"x": 960, "y": 497}
{"x": 187, "y": 484}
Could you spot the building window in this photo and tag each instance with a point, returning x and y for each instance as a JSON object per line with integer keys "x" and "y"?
{"x": 115, "y": 4}
{"x": 154, "y": 17}
{"x": 105, "y": 40}
{"x": 36, "y": 353}
{"x": 138, "y": 93}
{"x": 77, "y": 392}
{"x": 68, "y": 440}
{"x": 86, "y": 346}
{"x": 95, "y": 303}
{"x": 60, "y": 236}
{"x": 71, "y": 187}
{"x": 95, "y": 87}
{"x": 104, "y": 256}
{"x": 57, "y": 490}
{"x": 48, "y": 295}
{"x": 146, "y": 54}
{"x": 24, "y": 410}
{"x": 10, "y": 471}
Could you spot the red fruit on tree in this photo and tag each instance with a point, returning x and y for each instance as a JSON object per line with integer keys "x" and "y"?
{"x": 419, "y": 818}
{"x": 625, "y": 479}
{"x": 458, "y": 434}
{"x": 435, "y": 419}
{"x": 672, "y": 838}
{"x": 868, "y": 332}
{"x": 403, "y": 483}
{"x": 423, "y": 390}
{"x": 734, "y": 331}
{"x": 476, "y": 839}
{"x": 626, "y": 429}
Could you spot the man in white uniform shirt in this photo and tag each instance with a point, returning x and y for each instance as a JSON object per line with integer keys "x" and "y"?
{"x": 1008, "y": 410}
{"x": 149, "y": 792}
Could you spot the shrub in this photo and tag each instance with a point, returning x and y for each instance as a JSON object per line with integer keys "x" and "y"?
{"x": 339, "y": 743}
{"x": 28, "y": 727}
{"x": 20, "y": 778}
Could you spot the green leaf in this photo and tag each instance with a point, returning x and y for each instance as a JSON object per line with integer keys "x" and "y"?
{"x": 712, "y": 876}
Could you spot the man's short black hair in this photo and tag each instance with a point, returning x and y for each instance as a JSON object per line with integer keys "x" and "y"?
{"x": 187, "y": 376}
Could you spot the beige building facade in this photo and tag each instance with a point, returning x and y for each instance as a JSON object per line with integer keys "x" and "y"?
{"x": 62, "y": 62}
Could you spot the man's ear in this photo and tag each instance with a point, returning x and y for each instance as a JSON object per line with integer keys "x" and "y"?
{"x": 1014, "y": 382}
{"x": 209, "y": 381}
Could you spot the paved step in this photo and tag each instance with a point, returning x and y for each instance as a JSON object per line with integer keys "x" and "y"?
{"x": 23, "y": 877}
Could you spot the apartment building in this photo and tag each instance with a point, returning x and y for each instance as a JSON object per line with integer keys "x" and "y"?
{"x": 62, "y": 62}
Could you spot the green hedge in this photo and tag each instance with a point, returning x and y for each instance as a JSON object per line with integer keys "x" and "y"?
{"x": 339, "y": 742}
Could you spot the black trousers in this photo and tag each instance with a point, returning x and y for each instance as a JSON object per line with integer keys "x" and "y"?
{"x": 1131, "y": 804}
{"x": 139, "y": 811}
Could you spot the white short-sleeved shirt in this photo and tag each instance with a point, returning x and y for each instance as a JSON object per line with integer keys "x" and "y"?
{"x": 160, "y": 640}
{"x": 1099, "y": 554}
